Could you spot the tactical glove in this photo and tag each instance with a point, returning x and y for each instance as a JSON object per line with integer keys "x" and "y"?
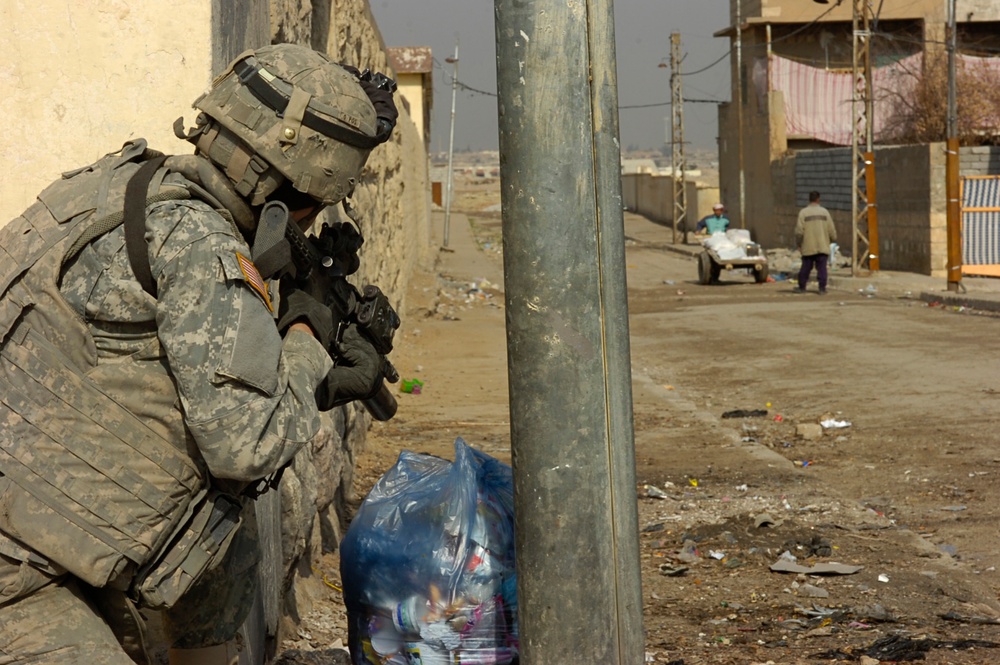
{"x": 297, "y": 305}
{"x": 379, "y": 89}
{"x": 356, "y": 374}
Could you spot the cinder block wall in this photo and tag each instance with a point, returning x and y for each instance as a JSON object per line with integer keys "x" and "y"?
{"x": 909, "y": 196}
{"x": 979, "y": 160}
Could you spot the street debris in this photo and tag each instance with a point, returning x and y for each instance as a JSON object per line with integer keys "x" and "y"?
{"x": 786, "y": 563}
{"x": 899, "y": 648}
{"x": 745, "y": 413}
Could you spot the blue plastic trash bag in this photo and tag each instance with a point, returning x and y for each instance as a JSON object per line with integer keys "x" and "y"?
{"x": 428, "y": 564}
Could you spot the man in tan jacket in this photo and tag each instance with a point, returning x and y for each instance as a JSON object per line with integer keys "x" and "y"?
{"x": 814, "y": 232}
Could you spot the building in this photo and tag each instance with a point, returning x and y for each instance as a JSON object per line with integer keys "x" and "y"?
{"x": 789, "y": 128}
{"x": 414, "y": 67}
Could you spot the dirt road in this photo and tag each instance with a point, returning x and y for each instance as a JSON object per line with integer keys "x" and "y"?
{"x": 902, "y": 485}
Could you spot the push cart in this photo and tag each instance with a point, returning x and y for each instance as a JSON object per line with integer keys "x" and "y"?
{"x": 710, "y": 265}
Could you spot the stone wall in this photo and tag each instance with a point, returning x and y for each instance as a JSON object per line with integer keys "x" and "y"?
{"x": 392, "y": 202}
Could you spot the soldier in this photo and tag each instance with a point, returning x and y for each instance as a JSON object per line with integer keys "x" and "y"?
{"x": 149, "y": 379}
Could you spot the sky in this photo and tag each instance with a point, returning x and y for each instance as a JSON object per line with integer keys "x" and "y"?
{"x": 642, "y": 35}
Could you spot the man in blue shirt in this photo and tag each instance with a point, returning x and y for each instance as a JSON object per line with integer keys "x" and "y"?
{"x": 714, "y": 223}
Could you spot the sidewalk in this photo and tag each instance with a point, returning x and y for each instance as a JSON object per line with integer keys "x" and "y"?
{"x": 979, "y": 292}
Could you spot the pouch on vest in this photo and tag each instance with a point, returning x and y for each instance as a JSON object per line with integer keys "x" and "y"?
{"x": 89, "y": 486}
{"x": 198, "y": 546}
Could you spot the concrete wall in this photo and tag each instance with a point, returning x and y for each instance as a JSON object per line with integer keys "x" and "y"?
{"x": 652, "y": 196}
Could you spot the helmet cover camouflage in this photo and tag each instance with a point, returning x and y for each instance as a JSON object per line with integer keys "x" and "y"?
{"x": 304, "y": 115}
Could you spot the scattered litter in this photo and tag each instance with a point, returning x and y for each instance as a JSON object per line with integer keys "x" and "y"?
{"x": 654, "y": 492}
{"x": 961, "y": 618}
{"x": 672, "y": 571}
{"x": 413, "y": 386}
{"x": 883, "y": 578}
{"x": 778, "y": 418}
{"x": 741, "y": 488}
{"x": 833, "y": 423}
{"x": 899, "y": 648}
{"x": 765, "y": 519}
{"x": 784, "y": 565}
{"x": 745, "y": 413}
{"x": 688, "y": 553}
{"x": 812, "y": 591}
{"x": 954, "y": 509}
{"x": 717, "y": 555}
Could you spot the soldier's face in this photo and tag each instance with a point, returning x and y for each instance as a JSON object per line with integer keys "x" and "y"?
{"x": 304, "y": 217}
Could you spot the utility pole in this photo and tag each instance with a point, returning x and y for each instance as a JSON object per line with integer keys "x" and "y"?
{"x": 579, "y": 588}
{"x": 954, "y": 230}
{"x": 864, "y": 242}
{"x": 451, "y": 142}
{"x": 739, "y": 112}
{"x": 677, "y": 137}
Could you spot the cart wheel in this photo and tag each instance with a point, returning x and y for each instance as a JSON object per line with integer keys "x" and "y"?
{"x": 704, "y": 268}
{"x": 760, "y": 276}
{"x": 716, "y": 272}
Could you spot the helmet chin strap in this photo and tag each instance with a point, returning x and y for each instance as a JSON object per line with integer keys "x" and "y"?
{"x": 252, "y": 177}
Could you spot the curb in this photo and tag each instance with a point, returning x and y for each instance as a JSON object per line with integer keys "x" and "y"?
{"x": 968, "y": 301}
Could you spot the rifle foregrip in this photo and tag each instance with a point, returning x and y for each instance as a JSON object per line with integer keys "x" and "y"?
{"x": 382, "y": 405}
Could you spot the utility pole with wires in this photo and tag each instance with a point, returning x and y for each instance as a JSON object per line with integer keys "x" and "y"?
{"x": 677, "y": 161}
{"x": 451, "y": 144}
{"x": 864, "y": 235}
{"x": 952, "y": 188}
{"x": 864, "y": 243}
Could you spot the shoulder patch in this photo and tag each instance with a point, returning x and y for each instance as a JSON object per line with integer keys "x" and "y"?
{"x": 254, "y": 279}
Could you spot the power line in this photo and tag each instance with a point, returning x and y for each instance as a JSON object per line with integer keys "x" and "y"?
{"x": 686, "y": 101}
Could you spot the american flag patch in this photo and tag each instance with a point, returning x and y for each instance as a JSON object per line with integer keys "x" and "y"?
{"x": 254, "y": 279}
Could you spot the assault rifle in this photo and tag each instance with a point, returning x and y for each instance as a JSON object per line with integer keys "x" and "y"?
{"x": 319, "y": 266}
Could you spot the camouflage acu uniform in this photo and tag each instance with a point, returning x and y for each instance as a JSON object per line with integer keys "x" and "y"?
{"x": 204, "y": 366}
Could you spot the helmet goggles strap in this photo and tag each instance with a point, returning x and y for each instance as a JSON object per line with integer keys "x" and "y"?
{"x": 277, "y": 101}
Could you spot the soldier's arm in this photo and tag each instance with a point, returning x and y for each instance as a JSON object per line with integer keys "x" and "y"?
{"x": 248, "y": 396}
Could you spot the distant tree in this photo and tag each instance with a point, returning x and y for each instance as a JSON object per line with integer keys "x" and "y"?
{"x": 921, "y": 108}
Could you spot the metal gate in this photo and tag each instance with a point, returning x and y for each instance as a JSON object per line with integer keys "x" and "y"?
{"x": 981, "y": 225}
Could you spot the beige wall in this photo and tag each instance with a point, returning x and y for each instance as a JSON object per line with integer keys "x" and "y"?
{"x": 411, "y": 87}
{"x": 80, "y": 77}
{"x": 652, "y": 196}
{"x": 804, "y": 11}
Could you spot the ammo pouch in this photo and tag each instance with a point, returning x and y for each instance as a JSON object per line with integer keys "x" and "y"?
{"x": 197, "y": 546}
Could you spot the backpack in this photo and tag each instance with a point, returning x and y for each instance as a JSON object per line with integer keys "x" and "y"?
{"x": 84, "y": 482}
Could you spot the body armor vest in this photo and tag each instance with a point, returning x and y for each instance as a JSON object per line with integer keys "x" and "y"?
{"x": 84, "y": 482}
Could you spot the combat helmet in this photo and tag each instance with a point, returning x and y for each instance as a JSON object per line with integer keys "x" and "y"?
{"x": 286, "y": 112}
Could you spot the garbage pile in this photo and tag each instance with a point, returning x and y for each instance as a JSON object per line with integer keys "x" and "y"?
{"x": 731, "y": 245}
{"x": 428, "y": 564}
